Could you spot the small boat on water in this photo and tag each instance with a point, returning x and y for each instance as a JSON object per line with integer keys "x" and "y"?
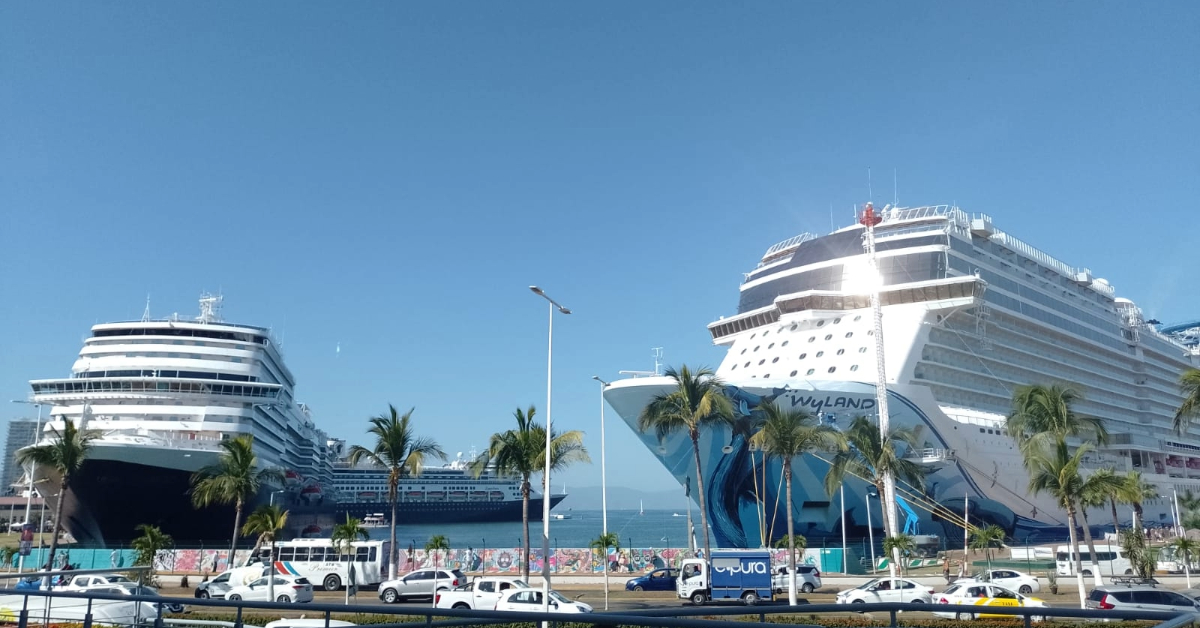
{"x": 375, "y": 520}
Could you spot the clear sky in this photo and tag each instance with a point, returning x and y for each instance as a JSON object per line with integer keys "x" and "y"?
{"x": 389, "y": 177}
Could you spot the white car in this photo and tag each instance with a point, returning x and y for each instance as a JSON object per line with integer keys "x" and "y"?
{"x": 314, "y": 622}
{"x": 530, "y": 601}
{"x": 482, "y": 593}
{"x": 1017, "y": 581}
{"x": 887, "y": 590}
{"x": 134, "y": 589}
{"x": 965, "y": 598}
{"x": 91, "y": 581}
{"x": 287, "y": 589}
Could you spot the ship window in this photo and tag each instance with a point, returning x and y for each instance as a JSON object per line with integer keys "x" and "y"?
{"x": 870, "y": 332}
{"x": 820, "y": 353}
{"x": 784, "y": 343}
{"x": 849, "y": 334}
{"x": 793, "y": 374}
{"x": 828, "y": 336}
{"x": 981, "y": 430}
{"x": 746, "y": 365}
{"x": 836, "y": 321}
{"x": 775, "y": 360}
{"x": 743, "y": 352}
{"x": 752, "y": 336}
{"x": 762, "y": 361}
{"x": 857, "y": 318}
{"x": 771, "y": 346}
{"x": 832, "y": 369}
{"x": 812, "y": 338}
{"x": 820, "y": 322}
{"x": 854, "y": 367}
{"x": 734, "y": 368}
{"x": 841, "y": 351}
{"x": 793, "y": 327}
{"x": 810, "y": 371}
{"x": 862, "y": 349}
{"x": 803, "y": 355}
{"x": 766, "y": 332}
{"x": 766, "y": 376}
{"x": 756, "y": 348}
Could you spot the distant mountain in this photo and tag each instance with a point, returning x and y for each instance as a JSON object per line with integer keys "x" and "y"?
{"x": 622, "y": 498}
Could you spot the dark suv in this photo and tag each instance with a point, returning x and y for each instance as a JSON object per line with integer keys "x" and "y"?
{"x": 1143, "y": 597}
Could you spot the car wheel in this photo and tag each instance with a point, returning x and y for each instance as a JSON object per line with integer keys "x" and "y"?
{"x": 638, "y": 588}
{"x": 235, "y": 597}
{"x": 858, "y": 601}
{"x": 749, "y": 598}
{"x": 390, "y": 596}
{"x": 698, "y": 598}
{"x": 807, "y": 588}
{"x": 461, "y": 605}
{"x": 1025, "y": 589}
{"x": 964, "y": 616}
{"x": 332, "y": 583}
{"x": 283, "y": 599}
{"x": 1087, "y": 573}
{"x": 918, "y": 601}
{"x": 1129, "y": 572}
{"x": 203, "y": 595}
{"x": 175, "y": 608}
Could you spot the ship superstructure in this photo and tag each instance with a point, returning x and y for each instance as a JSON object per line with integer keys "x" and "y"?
{"x": 970, "y": 313}
{"x": 161, "y": 395}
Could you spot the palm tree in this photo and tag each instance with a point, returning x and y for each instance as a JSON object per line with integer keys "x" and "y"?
{"x": 1097, "y": 490}
{"x": 8, "y": 554}
{"x": 65, "y": 455}
{"x": 343, "y": 538}
{"x": 1055, "y": 470}
{"x": 697, "y": 401}
{"x": 899, "y": 545}
{"x": 1186, "y": 547}
{"x": 152, "y": 541}
{"x": 1135, "y": 491}
{"x": 234, "y": 479}
{"x": 521, "y": 452}
{"x": 402, "y": 453}
{"x": 601, "y": 544}
{"x": 986, "y": 538}
{"x": 793, "y": 542}
{"x": 1189, "y": 386}
{"x": 1042, "y": 415}
{"x": 869, "y": 458}
{"x": 267, "y": 522}
{"x": 437, "y": 543}
{"x": 787, "y": 434}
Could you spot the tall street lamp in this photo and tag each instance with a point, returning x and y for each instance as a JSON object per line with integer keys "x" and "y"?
{"x": 554, "y": 305}
{"x": 36, "y": 433}
{"x": 603, "y": 487}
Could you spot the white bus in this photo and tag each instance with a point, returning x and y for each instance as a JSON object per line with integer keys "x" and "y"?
{"x": 1112, "y": 560}
{"x": 326, "y": 567}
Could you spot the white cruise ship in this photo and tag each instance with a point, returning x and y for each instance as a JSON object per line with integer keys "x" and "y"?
{"x": 969, "y": 314}
{"x": 161, "y": 395}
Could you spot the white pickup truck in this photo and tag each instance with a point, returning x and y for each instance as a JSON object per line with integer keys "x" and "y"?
{"x": 480, "y": 593}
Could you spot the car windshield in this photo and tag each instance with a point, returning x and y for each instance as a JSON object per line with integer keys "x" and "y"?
{"x": 868, "y": 584}
{"x": 557, "y": 597}
{"x": 116, "y": 579}
{"x": 520, "y": 584}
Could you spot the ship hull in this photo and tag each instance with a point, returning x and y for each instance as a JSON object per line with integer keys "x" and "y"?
{"x": 988, "y": 481}
{"x": 447, "y": 512}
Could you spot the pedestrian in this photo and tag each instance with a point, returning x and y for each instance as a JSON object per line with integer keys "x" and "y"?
{"x": 946, "y": 569}
{"x": 962, "y": 568}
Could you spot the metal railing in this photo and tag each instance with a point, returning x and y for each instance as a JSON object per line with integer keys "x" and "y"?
{"x": 673, "y": 617}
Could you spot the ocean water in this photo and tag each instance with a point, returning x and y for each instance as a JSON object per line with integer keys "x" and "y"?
{"x": 658, "y": 529}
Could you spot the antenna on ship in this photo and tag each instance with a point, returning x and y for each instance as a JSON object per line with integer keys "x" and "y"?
{"x": 210, "y": 308}
{"x": 658, "y": 355}
{"x": 870, "y": 194}
{"x": 895, "y": 188}
{"x": 146, "y": 313}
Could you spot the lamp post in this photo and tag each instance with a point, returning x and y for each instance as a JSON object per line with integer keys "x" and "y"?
{"x": 29, "y": 491}
{"x": 870, "y": 529}
{"x": 603, "y": 485}
{"x": 546, "y": 472}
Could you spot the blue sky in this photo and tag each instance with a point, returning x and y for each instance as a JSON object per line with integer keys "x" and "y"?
{"x": 391, "y": 176}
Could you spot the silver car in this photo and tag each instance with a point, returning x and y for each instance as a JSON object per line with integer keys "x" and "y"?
{"x": 215, "y": 588}
{"x": 808, "y": 579}
{"x": 1142, "y": 597}
{"x": 420, "y": 583}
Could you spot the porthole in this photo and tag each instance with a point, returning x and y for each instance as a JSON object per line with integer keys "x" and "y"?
{"x": 832, "y": 369}
{"x": 734, "y": 368}
{"x": 836, "y": 321}
{"x": 762, "y": 361}
{"x": 784, "y": 343}
{"x": 849, "y": 334}
{"x": 743, "y": 352}
{"x": 774, "y": 360}
{"x": 828, "y": 336}
{"x": 794, "y": 326}
{"x": 803, "y": 355}
{"x": 820, "y": 322}
{"x": 819, "y": 354}
{"x": 854, "y": 367}
{"x": 810, "y": 371}
{"x": 870, "y": 332}
{"x": 841, "y": 351}
{"x": 862, "y": 349}
{"x": 746, "y": 365}
{"x": 771, "y": 346}
{"x": 857, "y": 318}
{"x": 793, "y": 373}
{"x": 765, "y": 333}
{"x": 812, "y": 338}
{"x": 756, "y": 348}
{"x": 752, "y": 336}
{"x": 766, "y": 376}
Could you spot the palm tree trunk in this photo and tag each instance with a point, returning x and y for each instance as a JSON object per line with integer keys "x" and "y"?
{"x": 62, "y": 493}
{"x": 237, "y": 526}
{"x": 1078, "y": 561}
{"x": 1116, "y": 520}
{"x": 393, "y": 553}
{"x": 1137, "y": 516}
{"x": 525, "y": 525}
{"x": 700, "y": 486}
{"x": 1087, "y": 538}
{"x": 787, "y": 479}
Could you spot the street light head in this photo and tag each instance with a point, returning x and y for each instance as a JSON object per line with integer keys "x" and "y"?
{"x": 537, "y": 290}
{"x": 563, "y": 310}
